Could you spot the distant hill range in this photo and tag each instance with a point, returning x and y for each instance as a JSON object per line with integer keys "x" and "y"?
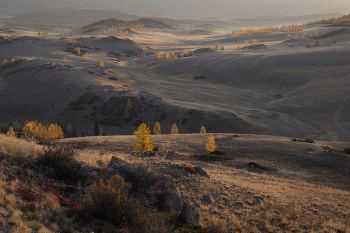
{"x": 87, "y": 15}
{"x": 179, "y": 8}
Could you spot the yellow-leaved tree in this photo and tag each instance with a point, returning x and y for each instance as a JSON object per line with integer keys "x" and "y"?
{"x": 216, "y": 46}
{"x": 174, "y": 129}
{"x": 102, "y": 64}
{"x": 143, "y": 140}
{"x": 210, "y": 146}
{"x": 78, "y": 51}
{"x": 44, "y": 134}
{"x": 10, "y": 132}
{"x": 203, "y": 130}
{"x": 156, "y": 128}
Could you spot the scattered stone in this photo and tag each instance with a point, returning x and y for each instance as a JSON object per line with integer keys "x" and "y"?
{"x": 209, "y": 198}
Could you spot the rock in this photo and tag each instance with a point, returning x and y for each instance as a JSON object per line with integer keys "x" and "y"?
{"x": 189, "y": 212}
{"x": 4, "y": 156}
{"x": 171, "y": 199}
{"x": 209, "y": 198}
{"x": 88, "y": 173}
{"x": 99, "y": 163}
{"x": 115, "y": 166}
{"x": 148, "y": 154}
{"x": 201, "y": 172}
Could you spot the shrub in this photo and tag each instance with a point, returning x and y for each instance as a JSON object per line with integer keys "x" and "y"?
{"x": 217, "y": 226}
{"x": 110, "y": 202}
{"x": 309, "y": 140}
{"x": 347, "y": 150}
{"x": 143, "y": 181}
{"x": 61, "y": 163}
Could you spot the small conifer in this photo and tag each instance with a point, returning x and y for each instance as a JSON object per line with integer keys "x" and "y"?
{"x": 308, "y": 43}
{"x": 143, "y": 140}
{"x": 156, "y": 128}
{"x": 10, "y": 124}
{"x": 83, "y": 58}
{"x": 10, "y": 132}
{"x": 216, "y": 46}
{"x": 102, "y": 64}
{"x": 16, "y": 124}
{"x": 203, "y": 130}
{"x": 143, "y": 53}
{"x": 210, "y": 146}
{"x": 78, "y": 51}
{"x": 174, "y": 129}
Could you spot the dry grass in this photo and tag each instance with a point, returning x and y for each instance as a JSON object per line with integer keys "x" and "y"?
{"x": 247, "y": 199}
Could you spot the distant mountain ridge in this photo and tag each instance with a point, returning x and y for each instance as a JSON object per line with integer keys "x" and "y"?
{"x": 180, "y": 8}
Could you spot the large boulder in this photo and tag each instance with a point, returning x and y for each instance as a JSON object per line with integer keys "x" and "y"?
{"x": 170, "y": 199}
{"x": 189, "y": 212}
{"x": 115, "y": 167}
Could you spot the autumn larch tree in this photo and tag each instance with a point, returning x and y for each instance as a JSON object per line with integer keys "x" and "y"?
{"x": 15, "y": 124}
{"x": 308, "y": 43}
{"x": 101, "y": 133}
{"x": 156, "y": 128}
{"x": 83, "y": 58}
{"x": 296, "y": 37}
{"x": 78, "y": 51}
{"x": 127, "y": 109}
{"x": 143, "y": 53}
{"x": 102, "y": 64}
{"x": 203, "y": 130}
{"x": 216, "y": 46}
{"x": 289, "y": 37}
{"x": 143, "y": 140}
{"x": 318, "y": 42}
{"x": 10, "y": 132}
{"x": 174, "y": 129}
{"x": 210, "y": 146}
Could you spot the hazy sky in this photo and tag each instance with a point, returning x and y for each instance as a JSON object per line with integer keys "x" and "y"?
{"x": 193, "y": 8}
{"x": 234, "y": 8}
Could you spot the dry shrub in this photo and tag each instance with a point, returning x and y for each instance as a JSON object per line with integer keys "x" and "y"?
{"x": 110, "y": 202}
{"x": 309, "y": 140}
{"x": 143, "y": 181}
{"x": 21, "y": 151}
{"x": 217, "y": 226}
{"x": 190, "y": 169}
{"x": 61, "y": 163}
{"x": 51, "y": 202}
{"x": 347, "y": 150}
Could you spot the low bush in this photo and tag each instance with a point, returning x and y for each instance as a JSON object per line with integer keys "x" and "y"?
{"x": 309, "y": 140}
{"x": 144, "y": 182}
{"x": 61, "y": 163}
{"x": 110, "y": 202}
